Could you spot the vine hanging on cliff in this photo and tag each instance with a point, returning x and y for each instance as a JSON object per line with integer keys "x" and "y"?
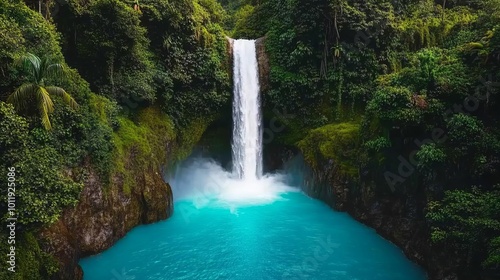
{"x": 331, "y": 34}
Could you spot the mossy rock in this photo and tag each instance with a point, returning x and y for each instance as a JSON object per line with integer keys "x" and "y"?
{"x": 152, "y": 140}
{"x": 189, "y": 136}
{"x": 338, "y": 142}
{"x": 141, "y": 143}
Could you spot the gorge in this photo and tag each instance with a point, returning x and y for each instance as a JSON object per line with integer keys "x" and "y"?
{"x": 331, "y": 139}
{"x": 242, "y": 224}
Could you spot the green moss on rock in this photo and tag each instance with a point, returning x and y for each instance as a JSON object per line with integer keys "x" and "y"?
{"x": 338, "y": 142}
{"x": 189, "y": 136}
{"x": 141, "y": 143}
{"x": 149, "y": 139}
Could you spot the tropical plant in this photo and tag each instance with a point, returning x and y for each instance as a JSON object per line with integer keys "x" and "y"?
{"x": 467, "y": 220}
{"x": 35, "y": 92}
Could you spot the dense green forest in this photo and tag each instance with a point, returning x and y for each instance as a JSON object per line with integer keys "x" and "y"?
{"x": 404, "y": 94}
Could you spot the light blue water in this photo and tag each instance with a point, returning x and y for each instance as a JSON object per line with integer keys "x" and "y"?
{"x": 294, "y": 237}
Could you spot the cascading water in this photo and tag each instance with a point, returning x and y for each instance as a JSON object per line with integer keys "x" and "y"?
{"x": 247, "y": 132}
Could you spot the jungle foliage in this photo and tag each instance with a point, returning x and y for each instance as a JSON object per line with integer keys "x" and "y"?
{"x": 170, "y": 53}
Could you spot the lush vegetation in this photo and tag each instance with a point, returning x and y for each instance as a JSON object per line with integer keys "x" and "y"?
{"x": 468, "y": 221}
{"x": 364, "y": 84}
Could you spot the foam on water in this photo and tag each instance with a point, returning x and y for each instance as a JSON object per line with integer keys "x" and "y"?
{"x": 205, "y": 182}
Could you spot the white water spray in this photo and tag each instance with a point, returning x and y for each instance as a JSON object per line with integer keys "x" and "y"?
{"x": 247, "y": 132}
{"x": 204, "y": 181}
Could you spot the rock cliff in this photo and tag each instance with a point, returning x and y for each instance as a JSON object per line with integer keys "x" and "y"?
{"x": 104, "y": 215}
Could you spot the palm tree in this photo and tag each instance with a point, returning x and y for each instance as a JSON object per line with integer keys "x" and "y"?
{"x": 35, "y": 92}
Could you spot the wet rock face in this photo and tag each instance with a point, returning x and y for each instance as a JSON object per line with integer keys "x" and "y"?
{"x": 104, "y": 215}
{"x": 263, "y": 61}
{"x": 398, "y": 218}
{"x": 276, "y": 156}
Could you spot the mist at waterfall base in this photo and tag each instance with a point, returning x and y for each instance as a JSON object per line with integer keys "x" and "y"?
{"x": 243, "y": 224}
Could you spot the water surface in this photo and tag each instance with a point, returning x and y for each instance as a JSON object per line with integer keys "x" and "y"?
{"x": 290, "y": 236}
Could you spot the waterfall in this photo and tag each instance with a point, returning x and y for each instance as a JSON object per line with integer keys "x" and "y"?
{"x": 247, "y": 131}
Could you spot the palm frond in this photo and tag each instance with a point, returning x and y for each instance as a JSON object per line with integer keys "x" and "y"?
{"x": 31, "y": 64}
{"x": 57, "y": 91}
{"x": 55, "y": 71}
{"x": 44, "y": 115}
{"x": 45, "y": 97}
{"x": 21, "y": 97}
{"x": 45, "y": 106}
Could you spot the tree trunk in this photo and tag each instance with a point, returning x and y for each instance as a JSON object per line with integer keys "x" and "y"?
{"x": 111, "y": 65}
